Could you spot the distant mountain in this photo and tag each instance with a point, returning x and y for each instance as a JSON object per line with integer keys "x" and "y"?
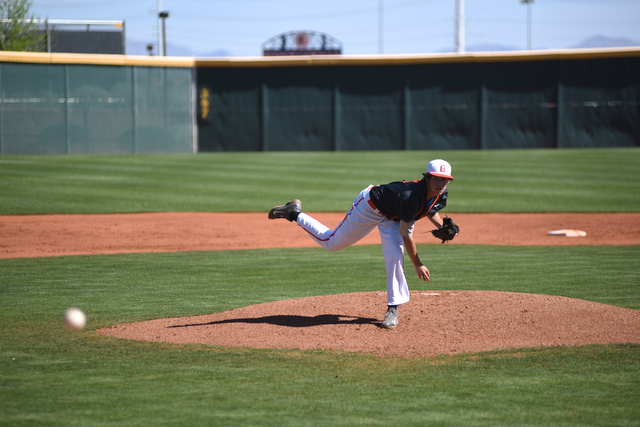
{"x": 135, "y": 47}
{"x": 490, "y": 47}
{"x": 214, "y": 54}
{"x": 484, "y": 47}
{"x": 598, "y": 41}
{"x": 594, "y": 42}
{"x": 602, "y": 41}
{"x": 173, "y": 50}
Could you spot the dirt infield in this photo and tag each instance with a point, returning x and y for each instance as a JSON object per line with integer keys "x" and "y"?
{"x": 438, "y": 322}
{"x": 57, "y": 235}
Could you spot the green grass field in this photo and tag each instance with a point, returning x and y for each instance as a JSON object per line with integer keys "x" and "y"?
{"x": 52, "y": 376}
{"x": 589, "y": 180}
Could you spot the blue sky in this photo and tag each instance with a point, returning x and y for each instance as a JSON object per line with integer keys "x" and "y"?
{"x": 239, "y": 27}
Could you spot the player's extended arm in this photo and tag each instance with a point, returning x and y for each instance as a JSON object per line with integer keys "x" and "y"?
{"x": 436, "y": 219}
{"x": 412, "y": 251}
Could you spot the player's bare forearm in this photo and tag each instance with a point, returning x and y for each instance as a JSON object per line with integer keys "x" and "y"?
{"x": 436, "y": 219}
{"x": 412, "y": 251}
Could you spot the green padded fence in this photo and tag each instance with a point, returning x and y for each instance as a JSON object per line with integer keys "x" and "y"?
{"x": 69, "y": 109}
{"x": 121, "y": 105}
{"x": 465, "y": 105}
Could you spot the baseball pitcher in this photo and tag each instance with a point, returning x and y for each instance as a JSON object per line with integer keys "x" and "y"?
{"x": 393, "y": 208}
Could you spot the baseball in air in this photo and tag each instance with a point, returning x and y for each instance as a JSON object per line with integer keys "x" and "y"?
{"x": 74, "y": 318}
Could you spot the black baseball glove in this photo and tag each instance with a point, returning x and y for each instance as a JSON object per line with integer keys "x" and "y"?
{"x": 448, "y": 231}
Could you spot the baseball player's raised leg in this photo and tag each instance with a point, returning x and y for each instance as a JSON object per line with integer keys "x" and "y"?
{"x": 393, "y": 250}
{"x": 357, "y": 223}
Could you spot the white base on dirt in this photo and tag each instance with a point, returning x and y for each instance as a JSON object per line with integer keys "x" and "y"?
{"x": 567, "y": 233}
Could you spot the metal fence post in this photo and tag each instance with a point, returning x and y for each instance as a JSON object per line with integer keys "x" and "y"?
{"x": 66, "y": 108}
{"x": 336, "y": 116}
{"x": 482, "y": 109}
{"x": 559, "y": 102}
{"x": 483, "y": 116}
{"x": 134, "y": 115}
{"x": 407, "y": 111}
{"x": 265, "y": 114}
{"x": 193, "y": 91}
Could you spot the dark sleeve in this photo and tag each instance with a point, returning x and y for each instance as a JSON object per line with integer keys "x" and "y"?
{"x": 440, "y": 204}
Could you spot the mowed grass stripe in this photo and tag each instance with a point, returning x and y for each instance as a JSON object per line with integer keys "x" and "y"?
{"x": 589, "y": 180}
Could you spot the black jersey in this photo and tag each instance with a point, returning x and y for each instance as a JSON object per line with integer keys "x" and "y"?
{"x": 406, "y": 200}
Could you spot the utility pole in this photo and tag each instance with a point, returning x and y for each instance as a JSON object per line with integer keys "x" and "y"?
{"x": 460, "y": 36}
{"x": 160, "y": 35}
{"x": 528, "y": 3}
{"x": 163, "y": 16}
{"x": 380, "y": 25}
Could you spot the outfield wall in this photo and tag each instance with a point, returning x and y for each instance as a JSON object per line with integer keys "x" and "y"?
{"x": 543, "y": 99}
{"x": 73, "y": 103}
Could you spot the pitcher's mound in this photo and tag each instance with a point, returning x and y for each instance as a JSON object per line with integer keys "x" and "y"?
{"x": 432, "y": 323}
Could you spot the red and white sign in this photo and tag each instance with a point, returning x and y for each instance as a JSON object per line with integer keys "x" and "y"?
{"x": 302, "y": 40}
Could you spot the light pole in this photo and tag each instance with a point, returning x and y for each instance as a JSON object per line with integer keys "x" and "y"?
{"x": 163, "y": 16}
{"x": 159, "y": 9}
{"x": 460, "y": 37}
{"x": 380, "y": 26}
{"x": 528, "y": 3}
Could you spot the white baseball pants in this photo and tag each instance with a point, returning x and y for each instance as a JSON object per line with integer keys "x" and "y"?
{"x": 357, "y": 223}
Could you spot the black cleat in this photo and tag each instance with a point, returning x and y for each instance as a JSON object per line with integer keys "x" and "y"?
{"x": 285, "y": 211}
